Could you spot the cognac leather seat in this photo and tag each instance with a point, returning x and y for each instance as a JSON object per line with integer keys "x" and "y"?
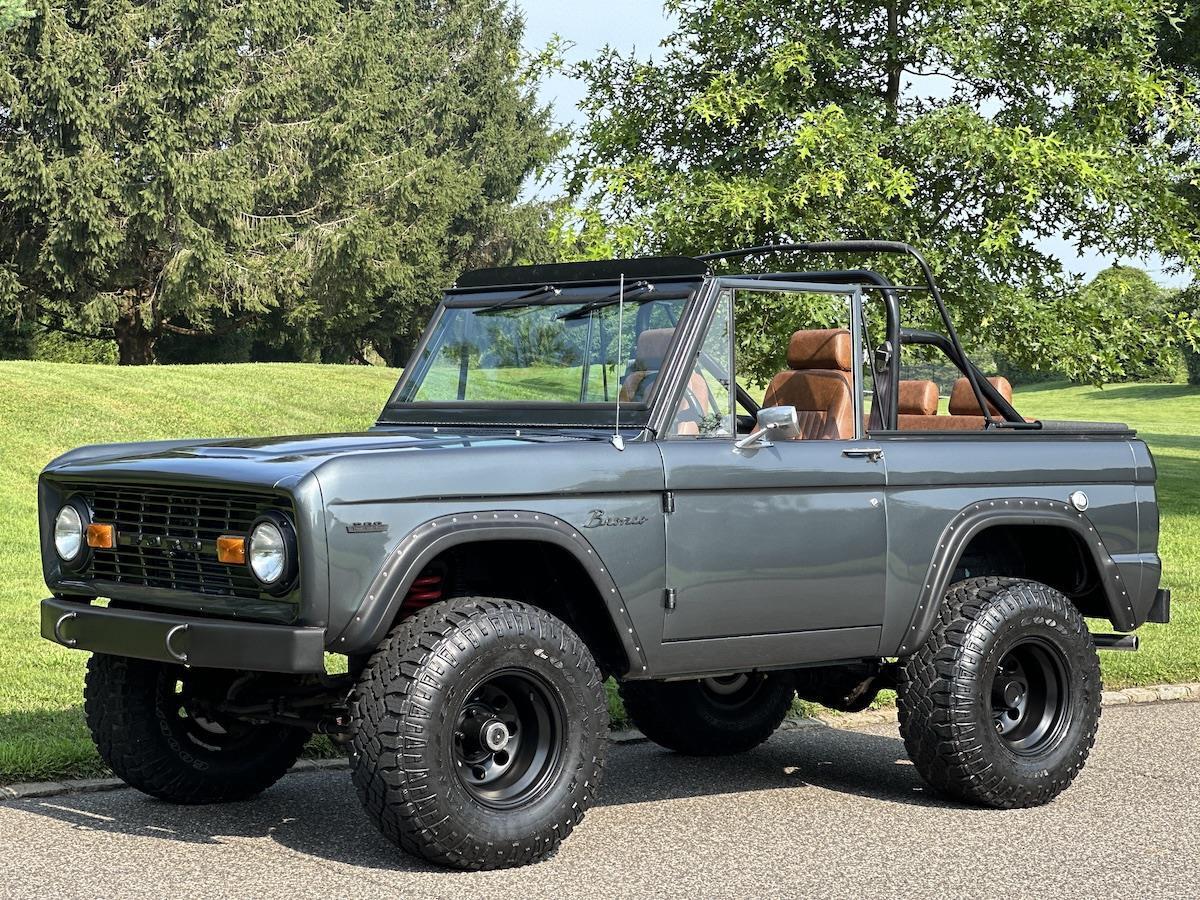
{"x": 652, "y": 346}
{"x": 818, "y": 383}
{"x": 963, "y": 408}
{"x": 916, "y": 402}
{"x": 651, "y": 350}
{"x": 962, "y": 398}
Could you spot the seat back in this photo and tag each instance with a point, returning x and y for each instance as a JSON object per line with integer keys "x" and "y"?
{"x": 817, "y": 382}
{"x": 964, "y": 414}
{"x": 962, "y": 398}
{"x": 652, "y": 345}
{"x": 917, "y": 404}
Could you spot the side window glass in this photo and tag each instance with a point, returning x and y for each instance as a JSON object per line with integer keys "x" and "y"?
{"x": 796, "y": 348}
{"x": 706, "y": 406}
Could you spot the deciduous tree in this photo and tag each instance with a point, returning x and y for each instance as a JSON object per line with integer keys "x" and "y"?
{"x": 977, "y": 131}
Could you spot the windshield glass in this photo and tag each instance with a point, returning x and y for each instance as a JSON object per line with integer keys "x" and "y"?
{"x": 543, "y": 351}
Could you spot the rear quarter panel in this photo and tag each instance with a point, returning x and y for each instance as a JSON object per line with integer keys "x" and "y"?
{"x": 931, "y": 478}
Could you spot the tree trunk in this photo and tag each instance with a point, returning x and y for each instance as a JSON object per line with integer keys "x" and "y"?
{"x": 399, "y": 351}
{"x": 135, "y": 342}
{"x": 895, "y": 67}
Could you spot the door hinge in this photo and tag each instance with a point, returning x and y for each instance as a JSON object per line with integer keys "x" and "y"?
{"x": 668, "y": 501}
{"x": 669, "y": 598}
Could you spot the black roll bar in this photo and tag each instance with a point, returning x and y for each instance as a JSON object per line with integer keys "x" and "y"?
{"x": 896, "y": 247}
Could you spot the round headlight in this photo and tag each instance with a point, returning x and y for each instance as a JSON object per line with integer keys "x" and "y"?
{"x": 268, "y": 555}
{"x": 68, "y": 533}
{"x": 271, "y": 552}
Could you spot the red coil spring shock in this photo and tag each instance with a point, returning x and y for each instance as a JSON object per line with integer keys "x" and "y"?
{"x": 426, "y": 589}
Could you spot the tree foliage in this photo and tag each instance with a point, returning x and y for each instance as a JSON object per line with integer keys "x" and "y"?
{"x": 197, "y": 167}
{"x": 976, "y": 131}
{"x": 12, "y": 12}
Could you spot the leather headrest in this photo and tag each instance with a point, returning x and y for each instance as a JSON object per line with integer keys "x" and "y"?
{"x": 652, "y": 347}
{"x": 826, "y": 348}
{"x": 918, "y": 398}
{"x": 962, "y": 398}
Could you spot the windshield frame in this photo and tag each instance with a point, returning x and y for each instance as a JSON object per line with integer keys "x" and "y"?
{"x": 524, "y": 413}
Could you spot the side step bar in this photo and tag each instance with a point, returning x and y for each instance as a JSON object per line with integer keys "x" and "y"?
{"x": 1116, "y": 641}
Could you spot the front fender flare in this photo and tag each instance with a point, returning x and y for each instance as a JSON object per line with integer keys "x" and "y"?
{"x": 982, "y": 514}
{"x": 405, "y": 562}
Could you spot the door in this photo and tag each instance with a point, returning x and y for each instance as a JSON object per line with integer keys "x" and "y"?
{"x": 787, "y": 538}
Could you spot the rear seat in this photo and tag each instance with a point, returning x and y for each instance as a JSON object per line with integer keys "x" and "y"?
{"x": 916, "y": 413}
{"x": 916, "y": 401}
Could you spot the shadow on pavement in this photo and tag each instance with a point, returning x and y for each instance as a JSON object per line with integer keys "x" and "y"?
{"x": 319, "y": 815}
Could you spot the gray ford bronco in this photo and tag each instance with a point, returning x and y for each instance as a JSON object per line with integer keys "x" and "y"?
{"x": 571, "y": 483}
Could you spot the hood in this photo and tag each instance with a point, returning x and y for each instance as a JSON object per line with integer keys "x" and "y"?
{"x": 272, "y": 461}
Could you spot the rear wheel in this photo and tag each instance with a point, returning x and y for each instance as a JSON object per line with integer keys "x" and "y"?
{"x": 1001, "y": 705}
{"x": 711, "y": 716}
{"x": 157, "y": 728}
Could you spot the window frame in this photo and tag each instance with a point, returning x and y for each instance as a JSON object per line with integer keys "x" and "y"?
{"x": 708, "y": 305}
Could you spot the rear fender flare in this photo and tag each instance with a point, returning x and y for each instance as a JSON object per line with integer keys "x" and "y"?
{"x": 974, "y": 518}
{"x": 405, "y": 562}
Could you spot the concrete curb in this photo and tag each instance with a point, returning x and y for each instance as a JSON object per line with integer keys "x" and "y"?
{"x": 1160, "y": 693}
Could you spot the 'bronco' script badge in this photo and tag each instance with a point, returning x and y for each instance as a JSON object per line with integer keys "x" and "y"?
{"x": 597, "y": 519}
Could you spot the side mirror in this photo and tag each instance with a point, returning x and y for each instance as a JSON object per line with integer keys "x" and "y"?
{"x": 774, "y": 423}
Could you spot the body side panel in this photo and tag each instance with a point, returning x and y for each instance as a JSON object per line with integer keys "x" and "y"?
{"x": 936, "y": 481}
{"x": 568, "y": 482}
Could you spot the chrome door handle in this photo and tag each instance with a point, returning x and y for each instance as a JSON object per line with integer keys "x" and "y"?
{"x": 874, "y": 454}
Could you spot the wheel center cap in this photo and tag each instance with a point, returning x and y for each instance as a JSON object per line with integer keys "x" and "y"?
{"x": 1013, "y": 694}
{"x": 495, "y": 736}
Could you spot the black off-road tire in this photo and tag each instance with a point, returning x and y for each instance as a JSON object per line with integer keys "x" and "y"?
{"x": 143, "y": 729}
{"x": 416, "y": 718}
{"x": 951, "y": 704}
{"x": 697, "y": 719}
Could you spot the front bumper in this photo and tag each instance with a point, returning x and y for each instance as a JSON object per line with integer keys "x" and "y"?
{"x": 171, "y": 638}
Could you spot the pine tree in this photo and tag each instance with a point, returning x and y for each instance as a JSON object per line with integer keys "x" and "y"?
{"x": 190, "y": 166}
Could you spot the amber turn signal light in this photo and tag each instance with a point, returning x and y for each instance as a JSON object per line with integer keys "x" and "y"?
{"x": 101, "y": 537}
{"x": 231, "y": 549}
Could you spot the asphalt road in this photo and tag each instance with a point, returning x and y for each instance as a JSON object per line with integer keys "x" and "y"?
{"x": 815, "y": 812}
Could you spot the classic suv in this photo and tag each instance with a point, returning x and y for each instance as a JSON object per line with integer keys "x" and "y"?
{"x": 569, "y": 483}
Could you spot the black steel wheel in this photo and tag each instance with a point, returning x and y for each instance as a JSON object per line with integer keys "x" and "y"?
{"x": 1000, "y": 706}
{"x": 158, "y": 728}
{"x": 478, "y": 733}
{"x": 509, "y": 741}
{"x": 1030, "y": 696}
{"x": 711, "y": 716}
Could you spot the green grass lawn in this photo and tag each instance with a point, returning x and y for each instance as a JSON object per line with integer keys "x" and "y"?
{"x": 48, "y": 408}
{"x": 1167, "y": 417}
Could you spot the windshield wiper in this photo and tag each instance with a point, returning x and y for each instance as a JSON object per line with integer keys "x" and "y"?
{"x": 641, "y": 287}
{"x": 522, "y": 300}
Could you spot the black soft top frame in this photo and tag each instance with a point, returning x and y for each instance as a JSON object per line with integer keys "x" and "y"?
{"x": 653, "y": 267}
{"x": 645, "y": 267}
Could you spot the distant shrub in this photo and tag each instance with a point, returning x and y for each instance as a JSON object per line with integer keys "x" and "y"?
{"x": 52, "y": 346}
{"x": 1191, "y": 360}
{"x": 16, "y": 341}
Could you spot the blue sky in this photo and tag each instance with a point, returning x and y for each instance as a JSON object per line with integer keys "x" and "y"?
{"x": 633, "y": 25}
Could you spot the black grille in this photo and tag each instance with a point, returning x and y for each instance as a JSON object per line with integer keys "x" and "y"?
{"x": 167, "y": 537}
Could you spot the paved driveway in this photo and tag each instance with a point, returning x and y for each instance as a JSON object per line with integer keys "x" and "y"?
{"x": 814, "y": 812}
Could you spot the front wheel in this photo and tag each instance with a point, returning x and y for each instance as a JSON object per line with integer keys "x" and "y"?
{"x": 711, "y": 716}
{"x": 1000, "y": 706}
{"x": 158, "y": 727}
{"x": 479, "y": 731}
